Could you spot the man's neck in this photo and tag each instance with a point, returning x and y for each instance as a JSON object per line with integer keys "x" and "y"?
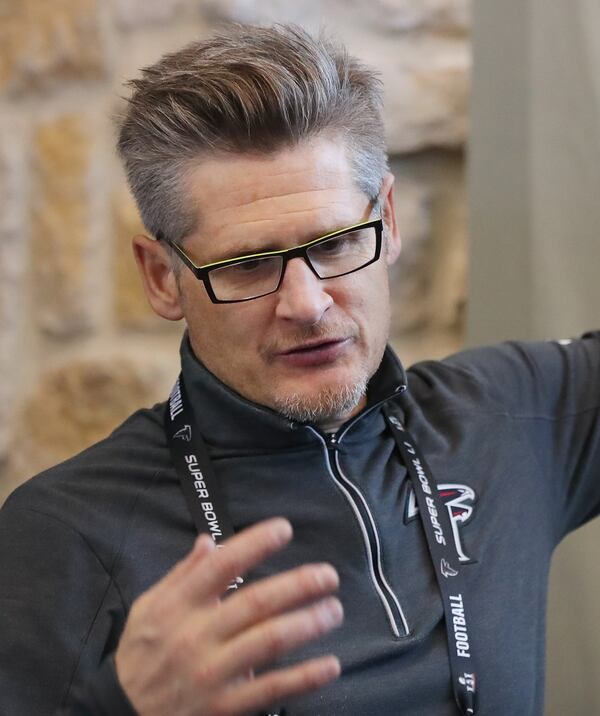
{"x": 335, "y": 422}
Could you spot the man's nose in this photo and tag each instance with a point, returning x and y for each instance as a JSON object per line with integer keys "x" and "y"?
{"x": 301, "y": 296}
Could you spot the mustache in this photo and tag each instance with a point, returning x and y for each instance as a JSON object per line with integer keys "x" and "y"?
{"x": 330, "y": 332}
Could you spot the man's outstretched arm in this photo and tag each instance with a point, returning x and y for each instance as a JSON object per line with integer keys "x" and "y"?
{"x": 186, "y": 651}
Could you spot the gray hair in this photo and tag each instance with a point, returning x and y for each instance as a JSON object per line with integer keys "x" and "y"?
{"x": 245, "y": 90}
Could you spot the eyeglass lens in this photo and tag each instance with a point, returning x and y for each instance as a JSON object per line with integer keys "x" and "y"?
{"x": 255, "y": 277}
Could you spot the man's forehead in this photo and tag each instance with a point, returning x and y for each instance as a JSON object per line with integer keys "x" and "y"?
{"x": 236, "y": 180}
{"x": 257, "y": 194}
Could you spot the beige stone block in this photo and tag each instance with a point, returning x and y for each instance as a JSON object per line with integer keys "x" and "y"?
{"x": 60, "y": 224}
{"x": 426, "y": 344}
{"x": 429, "y": 281}
{"x": 427, "y": 86}
{"x": 131, "y": 306}
{"x": 265, "y": 11}
{"x": 409, "y": 15}
{"x": 136, "y": 13}
{"x": 408, "y": 277}
{"x": 13, "y": 258}
{"x": 42, "y": 40}
{"x": 74, "y": 406}
{"x": 337, "y": 15}
{"x": 447, "y": 296}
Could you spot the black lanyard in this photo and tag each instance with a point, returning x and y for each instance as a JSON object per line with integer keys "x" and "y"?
{"x": 446, "y": 564}
{"x": 210, "y": 514}
{"x": 194, "y": 468}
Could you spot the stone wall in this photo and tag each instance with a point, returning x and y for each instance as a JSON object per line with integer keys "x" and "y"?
{"x": 79, "y": 347}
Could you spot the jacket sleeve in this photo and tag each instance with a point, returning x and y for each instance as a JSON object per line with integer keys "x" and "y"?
{"x": 552, "y": 392}
{"x": 60, "y": 618}
{"x": 102, "y": 695}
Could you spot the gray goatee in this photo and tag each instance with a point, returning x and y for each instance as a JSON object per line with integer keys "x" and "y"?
{"x": 330, "y": 404}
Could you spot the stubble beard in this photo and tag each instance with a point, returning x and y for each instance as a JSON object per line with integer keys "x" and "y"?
{"x": 332, "y": 402}
{"x": 329, "y": 404}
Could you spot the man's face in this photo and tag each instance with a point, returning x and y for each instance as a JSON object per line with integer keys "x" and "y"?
{"x": 309, "y": 349}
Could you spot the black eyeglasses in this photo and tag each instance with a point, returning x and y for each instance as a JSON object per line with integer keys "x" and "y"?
{"x": 255, "y": 275}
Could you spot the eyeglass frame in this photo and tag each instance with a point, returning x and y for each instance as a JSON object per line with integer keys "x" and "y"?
{"x": 300, "y": 251}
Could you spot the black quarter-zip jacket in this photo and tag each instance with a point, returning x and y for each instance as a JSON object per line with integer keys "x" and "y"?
{"x": 512, "y": 435}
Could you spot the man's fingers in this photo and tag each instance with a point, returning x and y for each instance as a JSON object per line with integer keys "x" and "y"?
{"x": 203, "y": 545}
{"x": 275, "y": 686}
{"x": 206, "y": 572}
{"x": 238, "y": 555}
{"x": 273, "y": 595}
{"x": 266, "y": 641}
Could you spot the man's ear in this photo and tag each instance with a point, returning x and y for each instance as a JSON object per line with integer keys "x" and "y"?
{"x": 158, "y": 277}
{"x": 388, "y": 214}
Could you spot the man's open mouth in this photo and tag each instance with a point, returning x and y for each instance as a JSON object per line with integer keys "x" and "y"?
{"x": 316, "y": 345}
{"x": 315, "y": 353}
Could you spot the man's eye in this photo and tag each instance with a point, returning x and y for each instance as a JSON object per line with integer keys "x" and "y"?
{"x": 248, "y": 266}
{"x": 331, "y": 247}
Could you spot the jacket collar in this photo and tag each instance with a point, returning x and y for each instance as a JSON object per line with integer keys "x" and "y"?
{"x": 230, "y": 423}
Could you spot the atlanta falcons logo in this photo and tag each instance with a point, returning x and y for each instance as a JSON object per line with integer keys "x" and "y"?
{"x": 459, "y": 499}
{"x": 184, "y": 434}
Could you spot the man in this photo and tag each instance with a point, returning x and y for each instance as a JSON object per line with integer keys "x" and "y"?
{"x": 257, "y": 161}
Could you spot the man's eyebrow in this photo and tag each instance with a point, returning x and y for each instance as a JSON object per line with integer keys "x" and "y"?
{"x": 242, "y": 250}
{"x": 249, "y": 250}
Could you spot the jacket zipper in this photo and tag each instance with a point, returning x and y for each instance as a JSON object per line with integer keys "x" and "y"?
{"x": 368, "y": 528}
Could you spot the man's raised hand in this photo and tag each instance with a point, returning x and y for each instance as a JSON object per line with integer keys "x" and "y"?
{"x": 184, "y": 652}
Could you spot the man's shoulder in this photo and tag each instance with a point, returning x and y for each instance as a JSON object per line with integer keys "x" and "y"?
{"x": 104, "y": 480}
{"x": 465, "y": 377}
{"x": 511, "y": 377}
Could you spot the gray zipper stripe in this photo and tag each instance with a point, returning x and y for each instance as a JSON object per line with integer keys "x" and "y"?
{"x": 379, "y": 550}
{"x": 367, "y": 542}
